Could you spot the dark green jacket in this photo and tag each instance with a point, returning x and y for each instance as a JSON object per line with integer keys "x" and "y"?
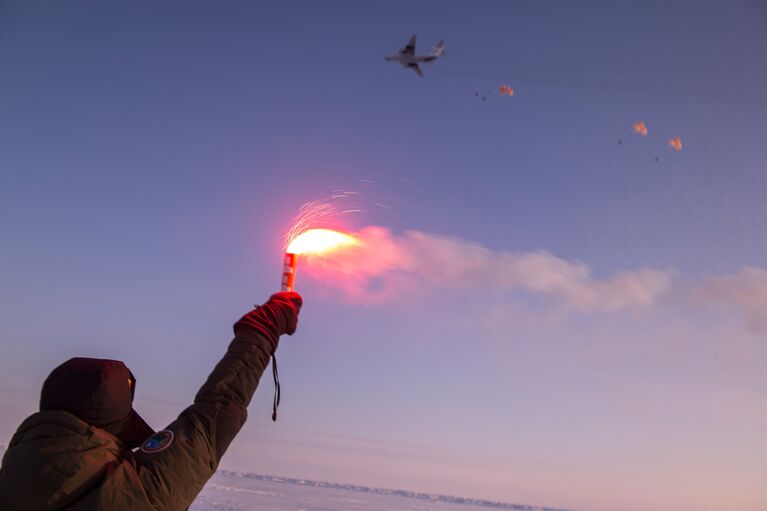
{"x": 57, "y": 461}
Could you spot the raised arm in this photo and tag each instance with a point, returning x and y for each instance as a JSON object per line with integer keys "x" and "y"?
{"x": 174, "y": 464}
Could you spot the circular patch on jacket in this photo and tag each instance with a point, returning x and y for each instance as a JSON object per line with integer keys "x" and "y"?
{"x": 158, "y": 442}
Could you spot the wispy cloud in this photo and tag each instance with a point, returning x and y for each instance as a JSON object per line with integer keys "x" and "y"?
{"x": 745, "y": 291}
{"x": 385, "y": 264}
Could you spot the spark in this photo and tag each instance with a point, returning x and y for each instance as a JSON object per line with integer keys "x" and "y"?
{"x": 311, "y": 214}
{"x": 322, "y": 213}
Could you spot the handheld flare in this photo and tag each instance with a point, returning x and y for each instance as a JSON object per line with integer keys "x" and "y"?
{"x": 289, "y": 272}
{"x": 314, "y": 242}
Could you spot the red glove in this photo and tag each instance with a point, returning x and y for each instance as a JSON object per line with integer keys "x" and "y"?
{"x": 276, "y": 317}
{"x": 289, "y": 304}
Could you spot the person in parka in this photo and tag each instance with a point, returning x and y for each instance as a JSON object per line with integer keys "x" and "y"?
{"x": 78, "y": 453}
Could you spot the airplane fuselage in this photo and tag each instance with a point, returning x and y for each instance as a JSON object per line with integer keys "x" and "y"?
{"x": 409, "y": 60}
{"x": 407, "y": 57}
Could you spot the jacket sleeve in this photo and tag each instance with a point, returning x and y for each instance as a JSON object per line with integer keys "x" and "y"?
{"x": 174, "y": 474}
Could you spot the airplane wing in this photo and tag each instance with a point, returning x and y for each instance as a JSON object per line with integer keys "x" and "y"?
{"x": 409, "y": 49}
{"x": 417, "y": 69}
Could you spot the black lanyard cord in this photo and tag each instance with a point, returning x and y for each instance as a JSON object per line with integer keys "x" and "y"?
{"x": 276, "y": 388}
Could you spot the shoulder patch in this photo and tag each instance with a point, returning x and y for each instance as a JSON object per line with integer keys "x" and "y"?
{"x": 158, "y": 442}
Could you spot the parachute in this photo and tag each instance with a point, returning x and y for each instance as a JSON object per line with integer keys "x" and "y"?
{"x": 505, "y": 90}
{"x": 675, "y": 143}
{"x": 639, "y": 128}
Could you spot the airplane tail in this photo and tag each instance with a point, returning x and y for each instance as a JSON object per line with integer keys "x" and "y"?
{"x": 438, "y": 50}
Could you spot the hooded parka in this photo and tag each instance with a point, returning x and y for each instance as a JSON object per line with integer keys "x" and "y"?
{"x": 56, "y": 461}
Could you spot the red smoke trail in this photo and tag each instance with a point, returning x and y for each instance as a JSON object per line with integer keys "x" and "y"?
{"x": 380, "y": 265}
{"x": 374, "y": 265}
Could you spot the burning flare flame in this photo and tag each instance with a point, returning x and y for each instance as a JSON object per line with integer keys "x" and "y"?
{"x": 320, "y": 241}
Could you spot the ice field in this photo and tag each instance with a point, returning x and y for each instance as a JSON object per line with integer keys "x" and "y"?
{"x": 232, "y": 491}
{"x": 235, "y": 491}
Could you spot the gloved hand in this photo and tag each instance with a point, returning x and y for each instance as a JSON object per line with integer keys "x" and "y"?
{"x": 277, "y": 316}
{"x": 289, "y": 304}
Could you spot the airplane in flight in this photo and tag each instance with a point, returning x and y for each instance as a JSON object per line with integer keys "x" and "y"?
{"x": 408, "y": 58}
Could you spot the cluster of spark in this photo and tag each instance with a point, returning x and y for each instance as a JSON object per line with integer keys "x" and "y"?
{"x": 323, "y": 212}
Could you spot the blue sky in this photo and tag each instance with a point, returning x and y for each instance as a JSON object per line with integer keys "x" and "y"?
{"x": 152, "y": 156}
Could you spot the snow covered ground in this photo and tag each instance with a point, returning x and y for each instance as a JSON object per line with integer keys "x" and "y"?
{"x": 235, "y": 491}
{"x": 232, "y": 491}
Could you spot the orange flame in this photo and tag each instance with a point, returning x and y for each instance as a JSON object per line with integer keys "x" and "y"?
{"x": 640, "y": 128}
{"x": 320, "y": 241}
